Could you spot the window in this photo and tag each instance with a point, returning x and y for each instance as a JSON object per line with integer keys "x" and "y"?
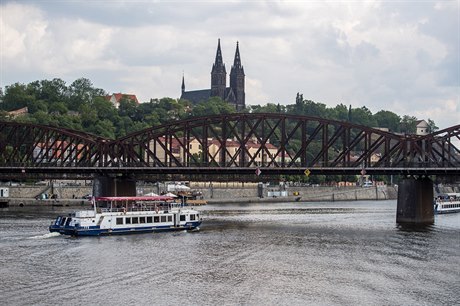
{"x": 119, "y": 221}
{"x": 163, "y": 218}
{"x": 128, "y": 220}
{"x": 156, "y": 219}
{"x": 141, "y": 219}
{"x": 169, "y": 218}
{"x": 135, "y": 220}
{"x": 182, "y": 217}
{"x": 192, "y": 217}
{"x": 149, "y": 219}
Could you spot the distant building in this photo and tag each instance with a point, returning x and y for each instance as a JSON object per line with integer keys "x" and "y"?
{"x": 162, "y": 145}
{"x": 422, "y": 128}
{"x": 116, "y": 98}
{"x": 234, "y": 94}
{"x": 18, "y": 112}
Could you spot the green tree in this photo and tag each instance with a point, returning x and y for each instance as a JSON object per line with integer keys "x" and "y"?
{"x": 363, "y": 116}
{"x": 432, "y": 126}
{"x": 82, "y": 92}
{"x": 213, "y": 106}
{"x": 15, "y": 97}
{"x": 409, "y": 124}
{"x": 387, "y": 119}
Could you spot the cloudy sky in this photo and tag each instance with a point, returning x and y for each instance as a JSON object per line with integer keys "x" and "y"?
{"x": 401, "y": 56}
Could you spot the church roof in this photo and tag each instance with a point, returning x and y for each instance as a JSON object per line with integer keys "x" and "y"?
{"x": 196, "y": 96}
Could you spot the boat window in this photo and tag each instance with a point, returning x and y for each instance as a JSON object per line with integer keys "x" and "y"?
{"x": 128, "y": 220}
{"x": 182, "y": 217}
{"x": 163, "y": 218}
{"x": 149, "y": 219}
{"x": 192, "y": 217}
{"x": 169, "y": 218}
{"x": 156, "y": 219}
{"x": 141, "y": 219}
{"x": 135, "y": 220}
{"x": 119, "y": 221}
{"x": 68, "y": 221}
{"x": 63, "y": 221}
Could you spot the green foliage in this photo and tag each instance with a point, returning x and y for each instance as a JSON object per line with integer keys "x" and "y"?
{"x": 389, "y": 120}
{"x": 81, "y": 106}
{"x": 432, "y": 126}
{"x": 409, "y": 124}
{"x": 213, "y": 106}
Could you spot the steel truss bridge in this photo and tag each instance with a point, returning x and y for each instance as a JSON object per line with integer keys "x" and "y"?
{"x": 242, "y": 147}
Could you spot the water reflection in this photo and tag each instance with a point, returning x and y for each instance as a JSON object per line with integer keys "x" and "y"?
{"x": 350, "y": 253}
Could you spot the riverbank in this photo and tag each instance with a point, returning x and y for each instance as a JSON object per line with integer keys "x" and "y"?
{"x": 71, "y": 196}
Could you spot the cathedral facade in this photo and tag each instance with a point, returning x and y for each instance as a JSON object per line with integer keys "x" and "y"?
{"x": 234, "y": 94}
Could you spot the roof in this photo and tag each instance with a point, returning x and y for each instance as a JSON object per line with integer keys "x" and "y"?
{"x": 119, "y": 96}
{"x": 143, "y": 198}
{"x": 196, "y": 96}
{"x": 421, "y": 123}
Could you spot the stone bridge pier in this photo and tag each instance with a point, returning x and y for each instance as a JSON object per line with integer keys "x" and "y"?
{"x": 109, "y": 186}
{"x": 415, "y": 201}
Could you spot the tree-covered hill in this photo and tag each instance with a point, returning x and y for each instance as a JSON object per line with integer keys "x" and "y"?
{"x": 81, "y": 106}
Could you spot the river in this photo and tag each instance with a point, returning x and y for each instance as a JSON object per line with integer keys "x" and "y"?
{"x": 341, "y": 253}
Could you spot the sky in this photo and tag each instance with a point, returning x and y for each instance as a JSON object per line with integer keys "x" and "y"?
{"x": 401, "y": 56}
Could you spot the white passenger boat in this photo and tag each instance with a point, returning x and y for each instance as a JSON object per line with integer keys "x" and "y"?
{"x": 447, "y": 203}
{"x": 128, "y": 215}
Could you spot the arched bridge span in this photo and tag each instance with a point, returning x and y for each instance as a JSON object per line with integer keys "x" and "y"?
{"x": 239, "y": 145}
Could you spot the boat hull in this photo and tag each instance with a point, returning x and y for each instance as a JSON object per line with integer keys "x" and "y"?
{"x": 97, "y": 231}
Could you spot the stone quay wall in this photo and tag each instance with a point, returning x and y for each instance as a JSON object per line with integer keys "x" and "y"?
{"x": 213, "y": 193}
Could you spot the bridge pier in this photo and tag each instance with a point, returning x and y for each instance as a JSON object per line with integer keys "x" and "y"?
{"x": 415, "y": 201}
{"x": 105, "y": 186}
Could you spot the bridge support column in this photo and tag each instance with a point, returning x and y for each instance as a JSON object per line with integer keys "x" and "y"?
{"x": 105, "y": 186}
{"x": 415, "y": 201}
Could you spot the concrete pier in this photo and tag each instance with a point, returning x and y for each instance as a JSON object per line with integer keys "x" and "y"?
{"x": 415, "y": 201}
{"x": 104, "y": 186}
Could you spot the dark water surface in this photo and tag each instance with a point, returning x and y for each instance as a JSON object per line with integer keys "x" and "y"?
{"x": 342, "y": 253}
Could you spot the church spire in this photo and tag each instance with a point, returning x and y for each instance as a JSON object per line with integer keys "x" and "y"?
{"x": 218, "y": 61}
{"x": 183, "y": 83}
{"x": 237, "y": 61}
{"x": 237, "y": 80}
{"x": 218, "y": 75}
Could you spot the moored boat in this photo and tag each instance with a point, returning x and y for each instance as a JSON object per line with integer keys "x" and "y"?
{"x": 447, "y": 203}
{"x": 128, "y": 215}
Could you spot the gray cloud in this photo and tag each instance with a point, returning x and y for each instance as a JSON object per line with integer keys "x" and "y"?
{"x": 400, "y": 56}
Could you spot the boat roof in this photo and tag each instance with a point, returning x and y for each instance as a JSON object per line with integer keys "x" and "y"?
{"x": 143, "y": 198}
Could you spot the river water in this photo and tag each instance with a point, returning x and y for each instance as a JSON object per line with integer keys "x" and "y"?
{"x": 342, "y": 253}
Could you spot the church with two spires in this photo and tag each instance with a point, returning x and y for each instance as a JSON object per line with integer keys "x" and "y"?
{"x": 233, "y": 95}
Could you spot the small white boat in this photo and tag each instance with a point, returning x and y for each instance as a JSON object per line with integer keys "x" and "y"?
{"x": 128, "y": 215}
{"x": 447, "y": 203}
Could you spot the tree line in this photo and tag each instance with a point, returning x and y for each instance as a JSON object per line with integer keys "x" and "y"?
{"x": 82, "y": 106}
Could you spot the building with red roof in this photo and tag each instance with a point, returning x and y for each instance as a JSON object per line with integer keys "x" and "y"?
{"x": 116, "y": 98}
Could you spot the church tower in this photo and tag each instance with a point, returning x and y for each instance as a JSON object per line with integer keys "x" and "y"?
{"x": 218, "y": 75}
{"x": 237, "y": 80}
{"x": 233, "y": 95}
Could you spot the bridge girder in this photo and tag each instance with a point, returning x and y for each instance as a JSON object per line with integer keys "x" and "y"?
{"x": 230, "y": 145}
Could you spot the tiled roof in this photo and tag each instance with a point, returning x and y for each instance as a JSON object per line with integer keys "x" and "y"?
{"x": 119, "y": 96}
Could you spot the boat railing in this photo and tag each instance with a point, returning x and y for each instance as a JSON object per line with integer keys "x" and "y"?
{"x": 139, "y": 207}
